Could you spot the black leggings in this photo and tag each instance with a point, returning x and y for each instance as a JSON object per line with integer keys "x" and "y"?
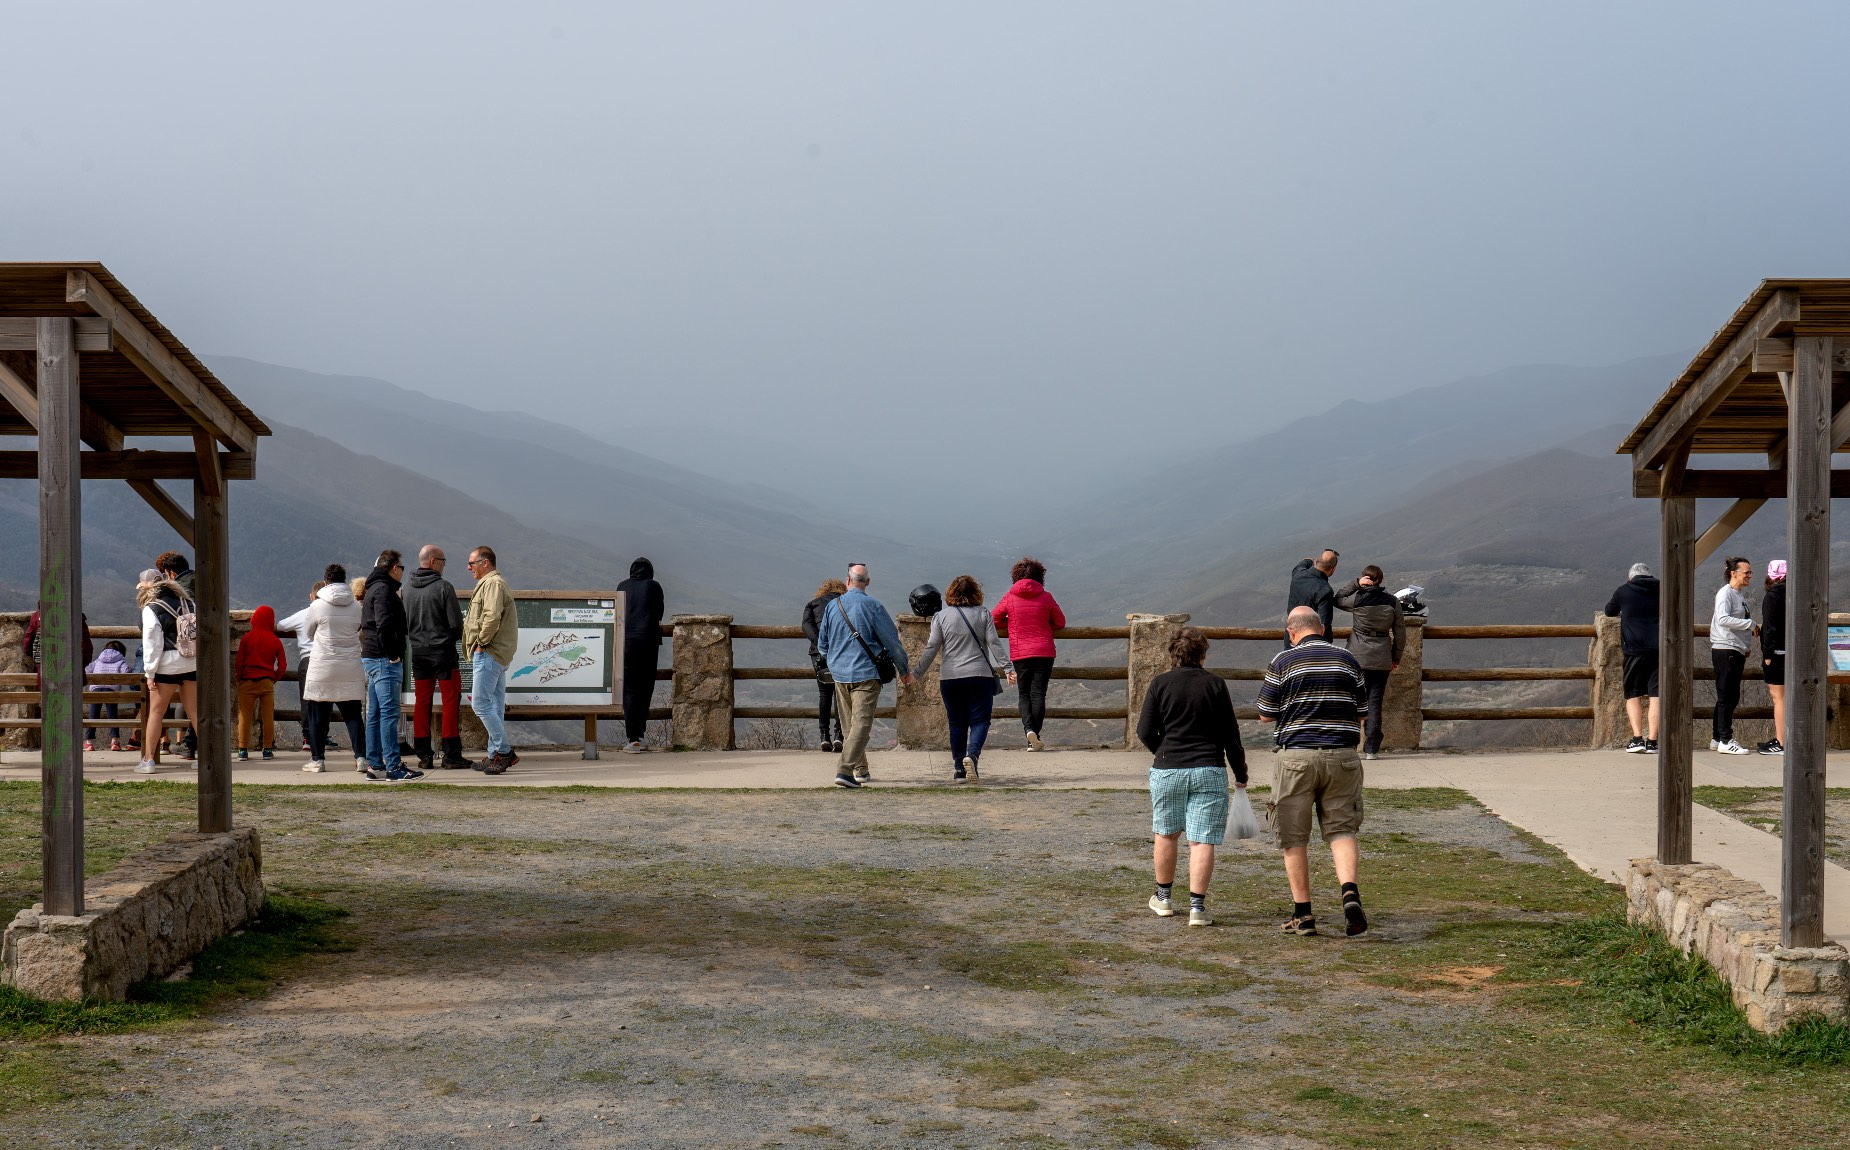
{"x": 1728, "y": 667}
{"x": 1031, "y": 677}
{"x": 316, "y": 715}
{"x": 825, "y": 708}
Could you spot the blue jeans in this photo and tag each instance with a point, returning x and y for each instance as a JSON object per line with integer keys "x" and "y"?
{"x": 488, "y": 699}
{"x": 968, "y": 704}
{"x": 385, "y": 678}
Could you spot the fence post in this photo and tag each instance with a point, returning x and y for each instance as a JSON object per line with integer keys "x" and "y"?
{"x": 703, "y": 682}
{"x": 1606, "y": 656}
{"x": 1146, "y": 657}
{"x": 1400, "y": 711}
{"x": 922, "y": 722}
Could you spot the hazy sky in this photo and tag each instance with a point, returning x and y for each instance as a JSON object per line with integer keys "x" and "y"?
{"x": 1025, "y": 234}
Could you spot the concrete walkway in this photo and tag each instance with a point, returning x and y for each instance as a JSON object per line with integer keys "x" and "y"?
{"x": 1598, "y": 807}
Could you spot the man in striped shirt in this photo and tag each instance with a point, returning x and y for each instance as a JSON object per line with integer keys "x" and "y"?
{"x": 1314, "y": 691}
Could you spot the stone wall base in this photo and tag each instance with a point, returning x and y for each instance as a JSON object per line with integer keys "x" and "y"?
{"x": 1734, "y": 925}
{"x": 143, "y": 919}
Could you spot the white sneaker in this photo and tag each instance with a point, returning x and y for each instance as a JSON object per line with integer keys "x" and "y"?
{"x": 1714, "y": 746}
{"x": 633, "y": 747}
{"x": 145, "y": 767}
{"x": 313, "y": 766}
{"x": 1732, "y": 748}
{"x": 359, "y": 765}
{"x": 1162, "y": 906}
{"x": 970, "y": 768}
{"x": 1034, "y": 740}
{"x": 1199, "y": 917}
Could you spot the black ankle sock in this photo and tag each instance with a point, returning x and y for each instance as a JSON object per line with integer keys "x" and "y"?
{"x": 1197, "y": 901}
{"x": 1351, "y": 893}
{"x": 1163, "y": 889}
{"x": 1300, "y": 910}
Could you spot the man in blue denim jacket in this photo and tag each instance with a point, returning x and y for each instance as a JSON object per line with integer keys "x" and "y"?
{"x": 857, "y": 682}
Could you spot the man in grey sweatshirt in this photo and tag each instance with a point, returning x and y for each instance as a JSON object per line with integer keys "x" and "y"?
{"x": 1730, "y": 629}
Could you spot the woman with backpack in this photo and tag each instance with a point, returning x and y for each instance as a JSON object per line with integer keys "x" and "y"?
{"x": 968, "y": 683}
{"x": 1031, "y": 616}
{"x": 170, "y": 649}
{"x": 831, "y": 590}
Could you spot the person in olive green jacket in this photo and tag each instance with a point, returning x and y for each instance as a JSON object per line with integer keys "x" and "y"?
{"x": 490, "y": 636}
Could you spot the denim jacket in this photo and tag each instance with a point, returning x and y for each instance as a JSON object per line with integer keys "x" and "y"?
{"x": 848, "y": 663}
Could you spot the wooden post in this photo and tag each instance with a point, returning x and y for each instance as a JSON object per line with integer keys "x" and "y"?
{"x": 61, "y": 617}
{"x": 213, "y": 586}
{"x": 1808, "y": 592}
{"x": 1676, "y": 654}
{"x": 590, "y": 751}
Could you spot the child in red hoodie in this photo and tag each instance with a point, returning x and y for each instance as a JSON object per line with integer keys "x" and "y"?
{"x": 260, "y": 664}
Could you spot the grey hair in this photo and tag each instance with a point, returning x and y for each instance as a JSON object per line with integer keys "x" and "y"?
{"x": 1303, "y": 619}
{"x": 861, "y": 580}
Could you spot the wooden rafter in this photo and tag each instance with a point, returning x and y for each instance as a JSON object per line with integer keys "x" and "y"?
{"x": 20, "y": 333}
{"x": 167, "y": 507}
{"x": 1717, "y": 381}
{"x": 1744, "y": 484}
{"x": 133, "y": 464}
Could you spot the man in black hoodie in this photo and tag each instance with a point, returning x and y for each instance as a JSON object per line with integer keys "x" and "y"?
{"x": 1634, "y": 604}
{"x": 642, "y": 649}
{"x": 382, "y": 654}
{"x": 433, "y": 623}
{"x": 1310, "y": 587}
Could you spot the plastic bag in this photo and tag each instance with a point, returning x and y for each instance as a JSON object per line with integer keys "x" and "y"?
{"x": 1240, "y": 821}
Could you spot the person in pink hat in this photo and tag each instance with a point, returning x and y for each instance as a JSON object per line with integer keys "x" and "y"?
{"x": 1773, "y": 652}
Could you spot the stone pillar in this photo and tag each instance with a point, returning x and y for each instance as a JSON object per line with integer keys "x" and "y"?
{"x": 1147, "y": 656}
{"x": 923, "y": 725}
{"x": 13, "y": 661}
{"x": 1400, "y": 711}
{"x": 1605, "y": 654}
{"x": 703, "y": 682}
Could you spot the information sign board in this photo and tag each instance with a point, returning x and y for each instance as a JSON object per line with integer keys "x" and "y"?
{"x": 568, "y": 650}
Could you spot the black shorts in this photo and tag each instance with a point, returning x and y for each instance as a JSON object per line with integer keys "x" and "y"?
{"x": 1774, "y": 665}
{"x": 188, "y": 677}
{"x": 1641, "y": 675}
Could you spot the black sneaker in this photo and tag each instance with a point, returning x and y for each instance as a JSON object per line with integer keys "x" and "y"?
{"x": 375, "y": 775}
{"x": 1636, "y": 746}
{"x": 404, "y": 775}
{"x": 1771, "y": 747}
{"x": 1650, "y": 746}
{"x": 848, "y": 781}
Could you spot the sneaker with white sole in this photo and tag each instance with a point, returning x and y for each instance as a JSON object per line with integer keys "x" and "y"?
{"x": 1034, "y": 741}
{"x": 1199, "y": 917}
{"x": 1636, "y": 746}
{"x": 313, "y": 767}
{"x": 1162, "y": 906}
{"x": 1733, "y": 748}
{"x": 970, "y": 768}
{"x": 633, "y": 747}
{"x": 145, "y": 767}
{"x": 1771, "y": 747}
{"x": 1714, "y": 745}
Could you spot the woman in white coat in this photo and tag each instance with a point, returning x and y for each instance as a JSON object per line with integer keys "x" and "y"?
{"x": 331, "y": 636}
{"x": 165, "y": 613}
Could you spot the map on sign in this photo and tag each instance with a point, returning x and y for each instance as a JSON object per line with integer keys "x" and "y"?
{"x": 1840, "y": 648}
{"x": 565, "y": 653}
{"x": 558, "y": 657}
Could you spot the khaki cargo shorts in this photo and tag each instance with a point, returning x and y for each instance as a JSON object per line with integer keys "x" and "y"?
{"x": 1326, "y": 781}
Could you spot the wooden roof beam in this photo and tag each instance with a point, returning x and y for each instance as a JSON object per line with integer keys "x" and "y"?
{"x": 1725, "y": 526}
{"x": 96, "y": 430}
{"x": 20, "y": 333}
{"x": 1774, "y": 354}
{"x": 1730, "y": 484}
{"x": 148, "y": 353}
{"x": 1717, "y": 381}
{"x": 169, "y": 509}
{"x": 133, "y": 464}
{"x": 211, "y": 475}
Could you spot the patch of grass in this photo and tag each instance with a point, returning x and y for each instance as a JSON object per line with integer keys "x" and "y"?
{"x": 914, "y": 831}
{"x": 1630, "y": 974}
{"x": 1013, "y": 966}
{"x": 1138, "y": 1131}
{"x": 424, "y": 844}
{"x": 37, "y": 1076}
{"x": 1417, "y": 799}
{"x": 243, "y": 965}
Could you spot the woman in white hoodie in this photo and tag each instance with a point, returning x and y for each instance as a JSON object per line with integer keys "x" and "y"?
{"x": 166, "y": 612}
{"x": 1730, "y": 628}
{"x": 331, "y": 635}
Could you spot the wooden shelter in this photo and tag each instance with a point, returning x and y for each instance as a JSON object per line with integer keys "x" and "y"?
{"x": 84, "y": 367}
{"x": 1770, "y": 384}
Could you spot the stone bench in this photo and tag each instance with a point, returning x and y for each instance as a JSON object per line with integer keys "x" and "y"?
{"x": 144, "y": 918}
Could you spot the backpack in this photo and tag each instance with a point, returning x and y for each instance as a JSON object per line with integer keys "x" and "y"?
{"x": 182, "y": 633}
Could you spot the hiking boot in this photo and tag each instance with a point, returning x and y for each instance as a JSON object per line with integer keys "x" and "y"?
{"x": 421, "y": 750}
{"x": 497, "y": 764}
{"x": 1636, "y": 746}
{"x": 847, "y": 781}
{"x": 1198, "y": 917}
{"x": 1732, "y": 748}
{"x": 1771, "y": 747}
{"x": 1305, "y": 925}
{"x": 1162, "y": 907}
{"x": 453, "y": 759}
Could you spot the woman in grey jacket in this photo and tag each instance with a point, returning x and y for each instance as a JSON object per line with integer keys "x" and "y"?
{"x": 973, "y": 657}
{"x": 1730, "y": 628}
{"x": 1376, "y": 639}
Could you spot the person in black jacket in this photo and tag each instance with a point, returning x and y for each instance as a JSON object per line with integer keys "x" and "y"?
{"x": 433, "y": 625}
{"x": 382, "y": 654}
{"x": 1188, "y": 723}
{"x": 642, "y": 649}
{"x": 830, "y": 590}
{"x": 1634, "y": 604}
{"x": 1773, "y": 652}
{"x": 1310, "y": 587}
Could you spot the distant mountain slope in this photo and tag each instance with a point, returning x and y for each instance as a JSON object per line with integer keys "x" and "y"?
{"x": 1322, "y": 471}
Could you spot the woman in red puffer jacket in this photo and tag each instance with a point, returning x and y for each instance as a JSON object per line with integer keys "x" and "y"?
{"x": 1029, "y": 616}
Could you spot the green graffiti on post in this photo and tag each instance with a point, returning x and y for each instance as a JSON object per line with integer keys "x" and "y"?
{"x": 55, "y": 670}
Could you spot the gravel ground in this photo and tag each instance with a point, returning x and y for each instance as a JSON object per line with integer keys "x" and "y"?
{"x": 918, "y": 969}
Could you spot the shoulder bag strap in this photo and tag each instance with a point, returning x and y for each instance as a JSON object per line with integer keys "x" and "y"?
{"x": 855, "y": 633}
{"x": 981, "y": 647}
